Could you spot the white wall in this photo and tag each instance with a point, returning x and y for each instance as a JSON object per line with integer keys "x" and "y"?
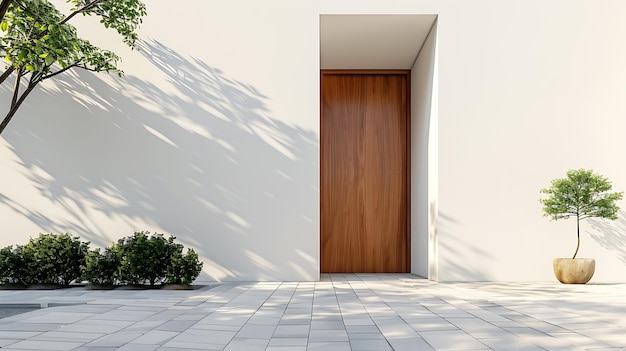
{"x": 213, "y": 136}
{"x": 424, "y": 83}
{"x": 210, "y": 137}
{"x": 527, "y": 91}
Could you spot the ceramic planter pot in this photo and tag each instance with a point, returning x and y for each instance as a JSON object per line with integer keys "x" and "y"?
{"x": 574, "y": 270}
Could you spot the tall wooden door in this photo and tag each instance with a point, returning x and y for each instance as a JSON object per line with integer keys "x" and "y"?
{"x": 364, "y": 166}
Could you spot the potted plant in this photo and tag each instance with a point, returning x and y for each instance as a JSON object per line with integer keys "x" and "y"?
{"x": 582, "y": 194}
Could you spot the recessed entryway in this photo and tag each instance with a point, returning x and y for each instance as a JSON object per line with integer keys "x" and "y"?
{"x": 392, "y": 42}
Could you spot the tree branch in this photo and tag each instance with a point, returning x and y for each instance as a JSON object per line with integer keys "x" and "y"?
{"x": 4, "y": 6}
{"x": 82, "y": 9}
{"x": 14, "y": 108}
{"x": 59, "y": 71}
{"x": 6, "y": 74}
{"x": 16, "y": 88}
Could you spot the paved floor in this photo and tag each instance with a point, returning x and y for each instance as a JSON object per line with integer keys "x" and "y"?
{"x": 341, "y": 312}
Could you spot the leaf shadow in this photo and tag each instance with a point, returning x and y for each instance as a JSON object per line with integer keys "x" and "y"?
{"x": 611, "y": 235}
{"x": 200, "y": 156}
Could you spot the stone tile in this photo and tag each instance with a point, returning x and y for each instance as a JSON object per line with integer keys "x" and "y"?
{"x": 526, "y": 332}
{"x": 410, "y": 344}
{"x": 244, "y": 344}
{"x": 197, "y": 336}
{"x": 316, "y": 335}
{"x": 370, "y": 345}
{"x": 283, "y": 342}
{"x": 329, "y": 346}
{"x": 44, "y": 345}
{"x": 478, "y": 328}
{"x": 264, "y": 320}
{"x": 115, "y": 340}
{"x": 256, "y": 331}
{"x": 6, "y": 342}
{"x": 176, "y": 325}
{"x": 510, "y": 343}
{"x": 27, "y": 326}
{"x": 451, "y": 340}
{"x": 138, "y": 347}
{"x": 291, "y": 331}
{"x": 17, "y": 334}
{"x": 155, "y": 337}
{"x": 324, "y": 324}
{"x": 68, "y": 336}
{"x": 95, "y": 326}
{"x": 286, "y": 348}
{"x": 186, "y": 345}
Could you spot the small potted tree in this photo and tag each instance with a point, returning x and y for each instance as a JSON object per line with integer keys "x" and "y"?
{"x": 582, "y": 194}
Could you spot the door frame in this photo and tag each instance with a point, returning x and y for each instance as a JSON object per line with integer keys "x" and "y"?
{"x": 407, "y": 74}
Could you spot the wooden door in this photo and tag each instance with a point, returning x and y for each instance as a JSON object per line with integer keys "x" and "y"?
{"x": 364, "y": 171}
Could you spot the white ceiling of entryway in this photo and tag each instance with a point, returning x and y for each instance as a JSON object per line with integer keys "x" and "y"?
{"x": 372, "y": 41}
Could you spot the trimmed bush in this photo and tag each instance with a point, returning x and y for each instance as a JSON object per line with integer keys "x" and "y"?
{"x": 144, "y": 258}
{"x": 139, "y": 259}
{"x": 14, "y": 266}
{"x": 56, "y": 259}
{"x": 101, "y": 268}
{"x": 183, "y": 269}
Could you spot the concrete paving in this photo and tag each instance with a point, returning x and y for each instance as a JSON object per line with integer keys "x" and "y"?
{"x": 358, "y": 312}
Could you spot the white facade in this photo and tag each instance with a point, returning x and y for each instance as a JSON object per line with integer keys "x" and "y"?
{"x": 213, "y": 136}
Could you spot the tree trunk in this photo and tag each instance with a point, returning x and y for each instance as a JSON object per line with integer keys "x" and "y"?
{"x": 578, "y": 235}
{"x": 14, "y": 108}
{"x": 6, "y": 74}
{"x": 4, "y": 6}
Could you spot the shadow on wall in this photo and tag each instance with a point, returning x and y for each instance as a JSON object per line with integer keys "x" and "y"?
{"x": 202, "y": 159}
{"x": 611, "y": 235}
{"x": 464, "y": 262}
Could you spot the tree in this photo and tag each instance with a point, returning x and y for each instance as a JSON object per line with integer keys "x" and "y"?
{"x": 582, "y": 194}
{"x": 38, "y": 43}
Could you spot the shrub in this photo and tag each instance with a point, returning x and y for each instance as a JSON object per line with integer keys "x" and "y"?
{"x": 14, "y": 266}
{"x": 144, "y": 258}
{"x": 101, "y": 268}
{"x": 56, "y": 259}
{"x": 138, "y": 259}
{"x": 183, "y": 269}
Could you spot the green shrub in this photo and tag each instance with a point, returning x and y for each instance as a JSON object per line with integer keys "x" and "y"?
{"x": 56, "y": 259}
{"x": 15, "y": 268}
{"x": 183, "y": 269}
{"x": 138, "y": 259}
{"x": 144, "y": 258}
{"x": 101, "y": 268}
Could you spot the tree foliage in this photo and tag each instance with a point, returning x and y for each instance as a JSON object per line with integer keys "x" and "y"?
{"x": 582, "y": 194}
{"x": 38, "y": 42}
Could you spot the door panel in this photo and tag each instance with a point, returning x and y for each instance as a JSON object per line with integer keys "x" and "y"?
{"x": 364, "y": 192}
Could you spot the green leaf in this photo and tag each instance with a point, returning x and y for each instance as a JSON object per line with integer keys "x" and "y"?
{"x": 4, "y": 26}
{"x": 49, "y": 59}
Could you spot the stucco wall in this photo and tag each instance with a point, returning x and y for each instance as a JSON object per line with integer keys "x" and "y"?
{"x": 213, "y": 136}
{"x": 424, "y": 121}
{"x": 527, "y": 91}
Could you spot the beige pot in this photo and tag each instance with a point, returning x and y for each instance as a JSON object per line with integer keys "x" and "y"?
{"x": 574, "y": 270}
